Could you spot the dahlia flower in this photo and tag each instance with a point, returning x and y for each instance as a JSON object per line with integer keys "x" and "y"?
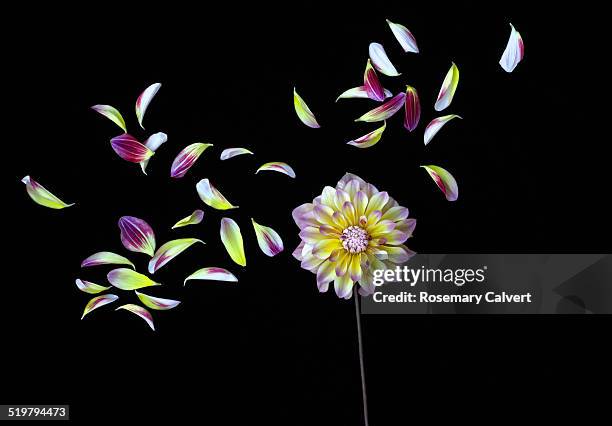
{"x": 348, "y": 232}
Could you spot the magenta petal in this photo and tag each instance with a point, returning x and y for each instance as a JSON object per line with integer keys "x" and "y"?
{"x": 128, "y": 148}
{"x": 137, "y": 235}
{"x": 412, "y": 108}
{"x": 384, "y": 111}
{"x": 372, "y": 84}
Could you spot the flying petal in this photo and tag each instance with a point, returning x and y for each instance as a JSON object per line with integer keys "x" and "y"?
{"x": 169, "y": 251}
{"x": 412, "y": 109}
{"x": 404, "y": 37}
{"x": 153, "y": 142}
{"x": 157, "y": 303}
{"x": 89, "y": 287}
{"x": 112, "y": 114}
{"x": 372, "y": 84}
{"x": 381, "y": 61}
{"x": 127, "y": 147}
{"x": 514, "y": 52}
{"x": 142, "y": 103}
{"x": 98, "y": 302}
{"x": 232, "y": 240}
{"x": 370, "y": 139}
{"x": 445, "y": 181}
{"x": 140, "y": 311}
{"x": 106, "y": 258}
{"x": 195, "y": 218}
{"x": 213, "y": 274}
{"x": 303, "y": 112}
{"x": 449, "y": 86}
{"x": 42, "y": 196}
{"x": 137, "y": 235}
{"x": 386, "y": 110}
{"x": 233, "y": 152}
{"x": 278, "y": 166}
{"x": 435, "y": 125}
{"x": 268, "y": 239}
{"x": 359, "y": 92}
{"x": 128, "y": 279}
{"x": 187, "y": 158}
{"x": 212, "y": 197}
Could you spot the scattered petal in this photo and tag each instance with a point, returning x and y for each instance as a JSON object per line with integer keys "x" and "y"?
{"x": 381, "y": 61}
{"x": 153, "y": 142}
{"x": 412, "y": 109}
{"x": 514, "y": 52}
{"x": 404, "y": 36}
{"x": 370, "y": 139}
{"x": 303, "y": 112}
{"x": 447, "y": 91}
{"x": 98, "y": 302}
{"x": 209, "y": 194}
{"x": 278, "y": 166}
{"x": 127, "y": 279}
{"x": 127, "y": 147}
{"x": 434, "y": 127}
{"x": 169, "y": 251}
{"x": 232, "y": 240}
{"x": 142, "y": 103}
{"x": 187, "y": 158}
{"x": 42, "y": 196}
{"x": 360, "y": 92}
{"x": 268, "y": 239}
{"x": 157, "y": 302}
{"x": 137, "y": 235}
{"x": 195, "y": 218}
{"x": 106, "y": 258}
{"x": 233, "y": 152}
{"x": 112, "y": 114}
{"x": 445, "y": 181}
{"x": 141, "y": 312}
{"x": 372, "y": 84}
{"x": 384, "y": 111}
{"x": 89, "y": 287}
{"x": 212, "y": 273}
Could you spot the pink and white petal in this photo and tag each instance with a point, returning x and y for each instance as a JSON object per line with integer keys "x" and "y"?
{"x": 352, "y": 187}
{"x": 278, "y": 166}
{"x": 232, "y": 240}
{"x": 377, "y": 202}
{"x": 381, "y": 61}
{"x": 396, "y": 213}
{"x": 343, "y": 286}
{"x": 374, "y": 89}
{"x": 445, "y": 181}
{"x": 143, "y": 101}
{"x": 157, "y": 303}
{"x": 304, "y": 216}
{"x": 325, "y": 274}
{"x": 435, "y": 125}
{"x": 303, "y": 111}
{"x": 297, "y": 253}
{"x": 98, "y": 302}
{"x": 268, "y": 239}
{"x": 153, "y": 142}
{"x": 169, "y": 251}
{"x": 140, "y": 311}
{"x": 359, "y": 93}
{"x": 196, "y": 217}
{"x": 106, "y": 258}
{"x": 412, "y": 109}
{"x": 233, "y": 152}
{"x": 385, "y": 111}
{"x": 187, "y": 158}
{"x": 404, "y": 37}
{"x": 128, "y": 279}
{"x": 112, "y": 114}
{"x": 41, "y": 196}
{"x": 130, "y": 149}
{"x": 89, "y": 287}
{"x": 212, "y": 197}
{"x": 370, "y": 139}
{"x": 137, "y": 235}
{"x": 212, "y": 273}
{"x": 514, "y": 52}
{"x": 449, "y": 86}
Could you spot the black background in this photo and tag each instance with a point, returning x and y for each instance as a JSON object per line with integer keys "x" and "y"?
{"x": 529, "y": 157}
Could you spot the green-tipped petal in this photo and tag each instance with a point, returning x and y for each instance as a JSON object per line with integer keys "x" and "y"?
{"x": 141, "y": 312}
{"x": 187, "y": 158}
{"x": 278, "y": 166}
{"x": 112, "y": 114}
{"x": 370, "y": 139}
{"x": 127, "y": 279}
{"x": 449, "y": 86}
{"x": 232, "y": 240}
{"x": 195, "y": 218}
{"x": 233, "y": 152}
{"x": 445, "y": 181}
{"x": 89, "y": 287}
{"x": 212, "y": 274}
{"x": 42, "y": 196}
{"x": 106, "y": 258}
{"x": 303, "y": 112}
{"x": 268, "y": 239}
{"x": 212, "y": 197}
{"x": 98, "y": 302}
{"x": 157, "y": 303}
{"x": 169, "y": 251}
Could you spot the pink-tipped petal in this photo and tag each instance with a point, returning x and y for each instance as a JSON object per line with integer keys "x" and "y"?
{"x": 381, "y": 61}
{"x": 445, "y": 181}
{"x": 98, "y": 302}
{"x": 303, "y": 112}
{"x": 106, "y": 258}
{"x": 212, "y": 197}
{"x": 435, "y": 125}
{"x": 127, "y": 147}
{"x": 232, "y": 240}
{"x": 157, "y": 303}
{"x": 370, "y": 139}
{"x": 212, "y": 273}
{"x": 140, "y": 311}
{"x": 449, "y": 86}
{"x": 514, "y": 52}
{"x": 41, "y": 196}
{"x": 169, "y": 251}
{"x": 89, "y": 287}
{"x": 137, "y": 235}
{"x": 268, "y": 239}
{"x": 112, "y": 114}
{"x": 277, "y": 166}
{"x": 143, "y": 101}
{"x": 196, "y": 217}
{"x": 153, "y": 142}
{"x": 404, "y": 37}
{"x": 386, "y": 110}
{"x": 128, "y": 279}
{"x": 412, "y": 109}
{"x": 372, "y": 84}
{"x": 233, "y": 152}
{"x": 359, "y": 93}
{"x": 187, "y": 158}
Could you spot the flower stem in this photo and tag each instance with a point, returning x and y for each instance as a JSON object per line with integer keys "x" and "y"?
{"x": 361, "y": 362}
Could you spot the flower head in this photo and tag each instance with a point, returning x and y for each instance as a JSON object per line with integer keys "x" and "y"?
{"x": 350, "y": 231}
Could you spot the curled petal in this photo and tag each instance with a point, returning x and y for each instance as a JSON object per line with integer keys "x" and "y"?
{"x": 187, "y": 158}
{"x": 169, "y": 251}
{"x": 360, "y": 93}
{"x": 303, "y": 112}
{"x": 268, "y": 239}
{"x": 514, "y": 52}
{"x": 404, "y": 36}
{"x": 153, "y": 142}
{"x": 137, "y": 235}
{"x": 42, "y": 196}
{"x": 112, "y": 114}
{"x": 157, "y": 302}
{"x": 233, "y": 152}
{"x": 195, "y": 218}
{"x": 381, "y": 61}
{"x": 370, "y": 139}
{"x": 127, "y": 147}
{"x": 89, "y": 287}
{"x": 445, "y": 181}
{"x": 106, "y": 258}
{"x": 232, "y": 240}
{"x": 209, "y": 194}
{"x": 435, "y": 125}
{"x": 372, "y": 84}
{"x": 127, "y": 279}
{"x": 412, "y": 109}
{"x": 384, "y": 111}
{"x": 277, "y": 166}
{"x": 449, "y": 86}
{"x": 98, "y": 302}
{"x": 142, "y": 103}
{"x": 140, "y": 311}
{"x": 212, "y": 274}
